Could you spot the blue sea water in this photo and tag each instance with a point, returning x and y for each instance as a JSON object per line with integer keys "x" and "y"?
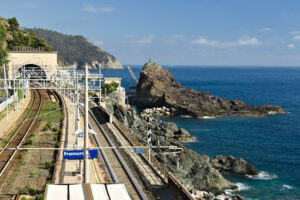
{"x": 271, "y": 144}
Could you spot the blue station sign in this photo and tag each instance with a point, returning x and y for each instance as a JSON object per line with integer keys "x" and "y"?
{"x": 80, "y": 135}
{"x": 138, "y": 151}
{"x": 78, "y": 154}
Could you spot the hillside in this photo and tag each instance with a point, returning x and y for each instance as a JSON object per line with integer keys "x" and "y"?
{"x": 76, "y": 49}
{"x": 11, "y": 36}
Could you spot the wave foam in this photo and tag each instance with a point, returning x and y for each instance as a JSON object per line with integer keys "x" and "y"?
{"x": 242, "y": 186}
{"x": 264, "y": 176}
{"x": 207, "y": 117}
{"x": 229, "y": 192}
{"x": 287, "y": 187}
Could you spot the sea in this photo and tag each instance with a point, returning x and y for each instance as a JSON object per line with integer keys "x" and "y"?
{"x": 271, "y": 143}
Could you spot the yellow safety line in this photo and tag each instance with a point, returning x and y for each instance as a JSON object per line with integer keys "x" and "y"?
{"x": 97, "y": 178}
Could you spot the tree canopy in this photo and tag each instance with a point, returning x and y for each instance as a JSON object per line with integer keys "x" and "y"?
{"x": 3, "y": 51}
{"x": 11, "y": 35}
{"x": 110, "y": 87}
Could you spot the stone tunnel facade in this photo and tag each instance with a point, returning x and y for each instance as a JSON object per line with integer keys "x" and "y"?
{"x": 45, "y": 62}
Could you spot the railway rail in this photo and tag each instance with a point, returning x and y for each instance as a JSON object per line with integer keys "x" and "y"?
{"x": 16, "y": 141}
{"x": 149, "y": 174}
{"x": 64, "y": 126}
{"x": 116, "y": 166}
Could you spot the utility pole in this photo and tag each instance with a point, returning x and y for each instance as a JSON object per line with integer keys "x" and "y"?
{"x": 149, "y": 144}
{"x": 23, "y": 84}
{"x": 5, "y": 83}
{"x": 100, "y": 85}
{"x": 14, "y": 95}
{"x": 86, "y": 118}
{"x": 77, "y": 114}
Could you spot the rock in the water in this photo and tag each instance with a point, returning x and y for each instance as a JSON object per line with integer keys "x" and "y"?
{"x": 233, "y": 166}
{"x": 157, "y": 87}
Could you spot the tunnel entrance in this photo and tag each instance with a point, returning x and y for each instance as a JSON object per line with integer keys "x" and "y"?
{"x": 32, "y": 71}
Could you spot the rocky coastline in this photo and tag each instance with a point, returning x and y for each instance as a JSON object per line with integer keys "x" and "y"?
{"x": 160, "y": 95}
{"x": 157, "y": 88}
{"x": 200, "y": 174}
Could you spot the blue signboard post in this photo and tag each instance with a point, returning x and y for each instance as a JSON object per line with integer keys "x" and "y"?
{"x": 138, "y": 151}
{"x": 78, "y": 154}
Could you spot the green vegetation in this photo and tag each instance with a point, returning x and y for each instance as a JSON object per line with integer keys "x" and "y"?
{"x": 49, "y": 165}
{"x": 47, "y": 126}
{"x": 73, "y": 48}
{"x": 40, "y": 197}
{"x": 20, "y": 156}
{"x": 11, "y": 35}
{"x": 29, "y": 189}
{"x": 50, "y": 112}
{"x": 29, "y": 142}
{"x": 14, "y": 24}
{"x": 110, "y": 87}
{"x": 34, "y": 174}
{"x": 3, "y": 50}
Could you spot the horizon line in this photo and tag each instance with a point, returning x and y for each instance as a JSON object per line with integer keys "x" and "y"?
{"x": 194, "y": 65}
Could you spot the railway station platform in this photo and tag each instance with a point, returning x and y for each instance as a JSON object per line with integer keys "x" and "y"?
{"x": 86, "y": 191}
{"x": 71, "y": 171}
{"x": 13, "y": 116}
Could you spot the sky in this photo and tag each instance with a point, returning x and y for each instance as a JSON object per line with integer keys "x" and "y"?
{"x": 174, "y": 32}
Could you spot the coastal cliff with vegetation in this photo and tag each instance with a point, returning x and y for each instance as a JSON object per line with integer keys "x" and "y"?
{"x": 157, "y": 87}
{"x": 76, "y": 49}
{"x": 196, "y": 172}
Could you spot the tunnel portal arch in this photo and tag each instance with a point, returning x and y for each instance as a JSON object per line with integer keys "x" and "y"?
{"x": 32, "y": 71}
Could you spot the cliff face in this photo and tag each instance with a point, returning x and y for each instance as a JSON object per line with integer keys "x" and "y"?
{"x": 77, "y": 49}
{"x": 157, "y": 87}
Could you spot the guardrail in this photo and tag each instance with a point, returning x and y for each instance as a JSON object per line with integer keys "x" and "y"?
{"x": 169, "y": 178}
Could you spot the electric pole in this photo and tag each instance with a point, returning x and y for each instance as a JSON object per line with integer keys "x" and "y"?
{"x": 86, "y": 132}
{"x": 100, "y": 85}
{"x": 5, "y": 84}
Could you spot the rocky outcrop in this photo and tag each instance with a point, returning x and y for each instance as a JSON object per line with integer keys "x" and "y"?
{"x": 233, "y": 166}
{"x": 195, "y": 171}
{"x": 156, "y": 88}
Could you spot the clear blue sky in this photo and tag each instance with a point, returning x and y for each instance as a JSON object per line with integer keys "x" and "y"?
{"x": 177, "y": 32}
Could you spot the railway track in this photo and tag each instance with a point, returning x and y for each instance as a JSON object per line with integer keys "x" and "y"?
{"x": 65, "y": 125}
{"x": 148, "y": 173}
{"x": 118, "y": 171}
{"x": 6, "y": 156}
